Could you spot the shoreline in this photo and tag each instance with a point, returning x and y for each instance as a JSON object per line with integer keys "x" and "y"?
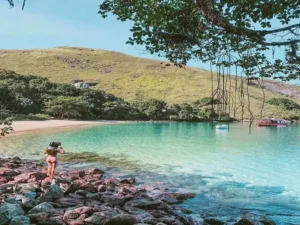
{"x": 20, "y": 127}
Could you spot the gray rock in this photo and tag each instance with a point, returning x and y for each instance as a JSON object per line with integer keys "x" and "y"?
{"x": 112, "y": 199}
{"x": 38, "y": 217}
{"x": 84, "y": 210}
{"x": 53, "y": 221}
{"x": 95, "y": 171}
{"x": 71, "y": 215}
{"x": 43, "y": 207}
{"x": 182, "y": 196}
{"x": 88, "y": 187}
{"x": 94, "y": 196}
{"x": 69, "y": 202}
{"x": 23, "y": 188}
{"x": 101, "y": 188}
{"x": 166, "y": 198}
{"x": 8, "y": 212}
{"x": 144, "y": 204}
{"x": 158, "y": 213}
{"x": 28, "y": 199}
{"x": 69, "y": 188}
{"x": 82, "y": 192}
{"x": 133, "y": 210}
{"x": 95, "y": 219}
{"x": 122, "y": 219}
{"x": 251, "y": 219}
{"x": 20, "y": 220}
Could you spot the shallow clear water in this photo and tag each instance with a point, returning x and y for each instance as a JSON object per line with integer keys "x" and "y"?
{"x": 232, "y": 172}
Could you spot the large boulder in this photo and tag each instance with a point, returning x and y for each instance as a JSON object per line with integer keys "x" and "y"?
{"x": 55, "y": 192}
{"x": 113, "y": 200}
{"x": 122, "y": 219}
{"x": 43, "y": 207}
{"x": 33, "y": 176}
{"x": 8, "y": 212}
{"x": 20, "y": 220}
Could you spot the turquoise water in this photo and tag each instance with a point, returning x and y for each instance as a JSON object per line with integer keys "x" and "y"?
{"x": 232, "y": 172}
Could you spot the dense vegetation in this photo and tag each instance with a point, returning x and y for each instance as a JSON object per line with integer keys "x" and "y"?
{"x": 35, "y": 97}
{"x": 287, "y": 104}
{"x": 133, "y": 78}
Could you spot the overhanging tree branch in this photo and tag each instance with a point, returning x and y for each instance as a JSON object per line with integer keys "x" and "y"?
{"x": 265, "y": 32}
{"x": 216, "y": 18}
{"x": 11, "y": 3}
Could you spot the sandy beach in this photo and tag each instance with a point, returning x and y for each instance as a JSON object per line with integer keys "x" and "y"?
{"x": 23, "y": 126}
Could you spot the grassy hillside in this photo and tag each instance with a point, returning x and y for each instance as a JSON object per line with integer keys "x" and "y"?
{"x": 128, "y": 77}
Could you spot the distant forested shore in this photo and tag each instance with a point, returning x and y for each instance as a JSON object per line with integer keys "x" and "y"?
{"x": 26, "y": 97}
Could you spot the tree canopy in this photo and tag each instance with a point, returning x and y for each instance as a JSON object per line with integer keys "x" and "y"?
{"x": 223, "y": 32}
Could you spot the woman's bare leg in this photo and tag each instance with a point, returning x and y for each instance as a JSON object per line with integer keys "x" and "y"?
{"x": 49, "y": 168}
{"x": 53, "y": 169}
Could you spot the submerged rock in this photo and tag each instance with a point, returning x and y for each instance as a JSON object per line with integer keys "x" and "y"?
{"x": 212, "y": 221}
{"x": 251, "y": 219}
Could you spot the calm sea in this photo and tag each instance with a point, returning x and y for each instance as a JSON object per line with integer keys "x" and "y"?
{"x": 232, "y": 171}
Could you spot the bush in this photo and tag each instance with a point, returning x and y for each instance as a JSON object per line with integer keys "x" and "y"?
{"x": 206, "y": 102}
{"x": 284, "y": 103}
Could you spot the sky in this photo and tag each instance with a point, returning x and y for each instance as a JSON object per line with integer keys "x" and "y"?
{"x": 52, "y": 23}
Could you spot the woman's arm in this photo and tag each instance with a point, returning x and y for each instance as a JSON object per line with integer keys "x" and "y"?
{"x": 61, "y": 150}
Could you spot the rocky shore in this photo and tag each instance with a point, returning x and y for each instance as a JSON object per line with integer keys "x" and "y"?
{"x": 78, "y": 197}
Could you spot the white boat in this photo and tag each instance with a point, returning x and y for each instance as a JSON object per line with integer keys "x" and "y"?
{"x": 223, "y": 127}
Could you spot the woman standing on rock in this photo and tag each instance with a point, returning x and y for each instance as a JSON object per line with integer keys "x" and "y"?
{"x": 52, "y": 150}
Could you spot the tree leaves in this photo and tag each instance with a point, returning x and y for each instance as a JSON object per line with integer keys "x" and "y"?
{"x": 184, "y": 30}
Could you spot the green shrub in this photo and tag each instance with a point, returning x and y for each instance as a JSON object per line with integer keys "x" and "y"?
{"x": 284, "y": 103}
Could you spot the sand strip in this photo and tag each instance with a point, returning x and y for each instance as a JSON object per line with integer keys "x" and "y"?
{"x": 21, "y": 126}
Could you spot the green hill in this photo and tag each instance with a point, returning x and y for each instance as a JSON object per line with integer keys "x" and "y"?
{"x": 135, "y": 78}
